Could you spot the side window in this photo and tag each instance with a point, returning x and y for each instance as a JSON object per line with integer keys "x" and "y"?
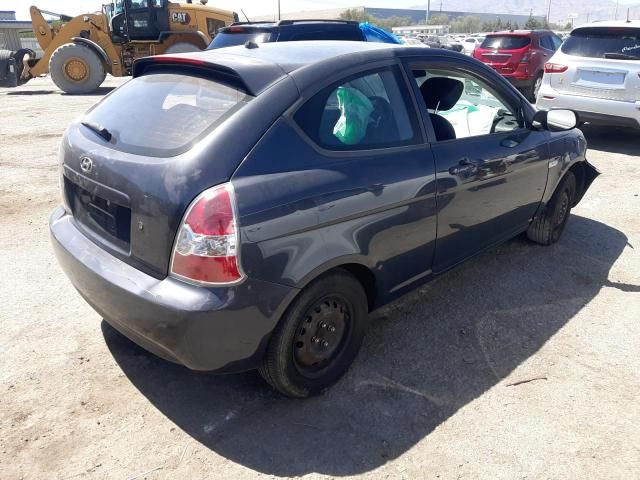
{"x": 557, "y": 41}
{"x": 213, "y": 25}
{"x": 462, "y": 105}
{"x": 366, "y": 111}
{"x": 547, "y": 43}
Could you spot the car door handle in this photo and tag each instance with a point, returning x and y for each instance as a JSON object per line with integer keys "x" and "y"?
{"x": 465, "y": 166}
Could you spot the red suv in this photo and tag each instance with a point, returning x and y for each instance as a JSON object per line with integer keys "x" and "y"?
{"x": 519, "y": 56}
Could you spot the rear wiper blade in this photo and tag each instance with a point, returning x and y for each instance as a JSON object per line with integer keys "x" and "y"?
{"x": 99, "y": 129}
{"x": 621, "y": 56}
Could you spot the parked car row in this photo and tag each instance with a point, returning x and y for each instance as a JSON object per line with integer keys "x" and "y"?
{"x": 246, "y": 207}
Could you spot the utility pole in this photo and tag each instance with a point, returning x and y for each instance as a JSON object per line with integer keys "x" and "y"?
{"x": 549, "y": 13}
{"x": 279, "y": 17}
{"x": 616, "y": 14}
{"x": 428, "y": 10}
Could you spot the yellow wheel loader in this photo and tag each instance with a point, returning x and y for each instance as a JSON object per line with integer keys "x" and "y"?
{"x": 80, "y": 51}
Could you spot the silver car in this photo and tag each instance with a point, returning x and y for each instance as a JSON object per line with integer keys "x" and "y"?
{"x": 596, "y": 72}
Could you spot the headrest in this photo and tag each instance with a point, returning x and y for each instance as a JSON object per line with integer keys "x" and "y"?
{"x": 441, "y": 93}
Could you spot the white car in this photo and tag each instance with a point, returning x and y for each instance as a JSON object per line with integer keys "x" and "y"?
{"x": 596, "y": 72}
{"x": 414, "y": 42}
{"x": 469, "y": 44}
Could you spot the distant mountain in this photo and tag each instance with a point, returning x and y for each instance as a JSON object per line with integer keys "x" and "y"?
{"x": 560, "y": 9}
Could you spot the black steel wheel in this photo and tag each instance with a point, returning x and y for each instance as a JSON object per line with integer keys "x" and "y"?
{"x": 321, "y": 335}
{"x": 318, "y": 337}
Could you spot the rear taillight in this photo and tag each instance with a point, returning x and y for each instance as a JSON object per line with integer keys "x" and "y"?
{"x": 206, "y": 248}
{"x": 554, "y": 68}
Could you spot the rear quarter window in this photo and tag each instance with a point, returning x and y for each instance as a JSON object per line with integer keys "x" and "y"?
{"x": 506, "y": 42}
{"x": 598, "y": 42}
{"x": 164, "y": 114}
{"x": 362, "y": 112}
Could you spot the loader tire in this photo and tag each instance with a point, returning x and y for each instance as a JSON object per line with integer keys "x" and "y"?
{"x": 182, "y": 47}
{"x": 76, "y": 69}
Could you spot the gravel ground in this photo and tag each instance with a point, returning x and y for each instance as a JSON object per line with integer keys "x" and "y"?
{"x": 436, "y": 391}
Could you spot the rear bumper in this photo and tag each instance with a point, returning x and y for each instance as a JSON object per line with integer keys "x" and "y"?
{"x": 593, "y": 110}
{"x": 209, "y": 329}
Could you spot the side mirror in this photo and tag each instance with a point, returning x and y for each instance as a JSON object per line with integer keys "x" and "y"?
{"x": 555, "y": 120}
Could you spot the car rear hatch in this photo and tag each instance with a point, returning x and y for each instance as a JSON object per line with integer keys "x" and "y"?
{"x": 601, "y": 62}
{"x": 503, "y": 52}
{"x": 135, "y": 161}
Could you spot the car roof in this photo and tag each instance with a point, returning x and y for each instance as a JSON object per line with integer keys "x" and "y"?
{"x": 610, "y": 24}
{"x": 518, "y": 33}
{"x": 290, "y": 23}
{"x": 262, "y": 65}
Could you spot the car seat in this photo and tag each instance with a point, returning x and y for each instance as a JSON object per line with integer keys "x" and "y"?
{"x": 441, "y": 93}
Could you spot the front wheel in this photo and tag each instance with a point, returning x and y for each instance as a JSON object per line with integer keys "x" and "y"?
{"x": 318, "y": 337}
{"x": 547, "y": 228}
{"x": 532, "y": 91}
{"x": 76, "y": 69}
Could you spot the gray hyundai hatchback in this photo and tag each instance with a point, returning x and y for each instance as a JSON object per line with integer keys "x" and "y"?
{"x": 247, "y": 207}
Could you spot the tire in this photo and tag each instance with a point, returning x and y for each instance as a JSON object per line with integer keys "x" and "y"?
{"x": 547, "y": 228}
{"x": 332, "y": 309}
{"x": 532, "y": 91}
{"x": 76, "y": 69}
{"x": 182, "y": 47}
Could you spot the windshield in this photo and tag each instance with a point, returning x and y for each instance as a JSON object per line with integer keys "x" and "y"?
{"x": 598, "y": 42}
{"x": 163, "y": 114}
{"x": 230, "y": 39}
{"x": 505, "y": 42}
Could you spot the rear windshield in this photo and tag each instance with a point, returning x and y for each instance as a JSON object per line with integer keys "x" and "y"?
{"x": 164, "y": 114}
{"x": 230, "y": 39}
{"x": 505, "y": 42}
{"x": 620, "y": 43}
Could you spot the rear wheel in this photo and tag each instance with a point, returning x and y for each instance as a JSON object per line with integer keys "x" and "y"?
{"x": 318, "y": 338}
{"x": 76, "y": 69}
{"x": 547, "y": 228}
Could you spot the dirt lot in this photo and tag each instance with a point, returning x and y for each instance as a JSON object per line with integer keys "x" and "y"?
{"x": 435, "y": 392}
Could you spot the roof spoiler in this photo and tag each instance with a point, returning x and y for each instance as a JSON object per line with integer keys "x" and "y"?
{"x": 221, "y": 73}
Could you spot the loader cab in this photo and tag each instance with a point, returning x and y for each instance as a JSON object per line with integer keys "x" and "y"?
{"x": 138, "y": 19}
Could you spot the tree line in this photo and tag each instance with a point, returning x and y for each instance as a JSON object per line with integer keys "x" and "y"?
{"x": 465, "y": 24}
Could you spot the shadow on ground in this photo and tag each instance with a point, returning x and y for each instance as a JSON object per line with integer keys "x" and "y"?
{"x": 612, "y": 139}
{"x": 426, "y": 356}
{"x": 99, "y": 92}
{"x": 31, "y": 92}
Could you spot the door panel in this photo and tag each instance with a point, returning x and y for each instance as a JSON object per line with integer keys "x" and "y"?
{"x": 488, "y": 188}
{"x": 146, "y": 19}
{"x": 492, "y": 173}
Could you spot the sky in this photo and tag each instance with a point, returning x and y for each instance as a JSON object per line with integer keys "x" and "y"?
{"x": 255, "y": 7}
{"x": 251, "y": 7}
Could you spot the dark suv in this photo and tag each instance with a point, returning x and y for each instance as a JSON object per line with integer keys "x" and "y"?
{"x": 519, "y": 56}
{"x": 247, "y": 207}
{"x": 297, "y": 30}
